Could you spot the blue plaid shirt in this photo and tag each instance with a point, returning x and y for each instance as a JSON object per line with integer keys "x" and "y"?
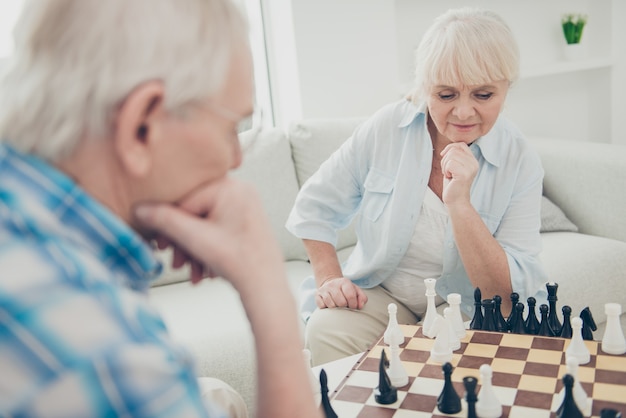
{"x": 77, "y": 335}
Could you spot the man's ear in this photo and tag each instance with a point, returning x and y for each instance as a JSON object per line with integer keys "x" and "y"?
{"x": 136, "y": 125}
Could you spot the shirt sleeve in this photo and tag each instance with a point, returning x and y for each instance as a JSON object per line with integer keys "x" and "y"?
{"x": 331, "y": 197}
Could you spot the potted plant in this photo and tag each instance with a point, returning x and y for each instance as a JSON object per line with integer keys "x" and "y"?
{"x": 573, "y": 25}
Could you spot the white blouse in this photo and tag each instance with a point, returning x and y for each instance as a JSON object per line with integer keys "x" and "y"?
{"x": 423, "y": 258}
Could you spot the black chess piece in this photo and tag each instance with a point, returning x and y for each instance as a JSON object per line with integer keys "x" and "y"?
{"x": 477, "y": 320}
{"x": 610, "y": 413}
{"x": 470, "y": 383}
{"x": 509, "y": 320}
{"x": 448, "y": 401}
{"x": 517, "y": 324}
{"x": 326, "y": 407}
{"x": 544, "y": 328}
{"x": 566, "y": 329}
{"x": 589, "y": 325}
{"x": 385, "y": 393}
{"x": 532, "y": 323}
{"x": 568, "y": 408}
{"x": 498, "y": 317}
{"x": 489, "y": 323}
{"x": 553, "y": 318}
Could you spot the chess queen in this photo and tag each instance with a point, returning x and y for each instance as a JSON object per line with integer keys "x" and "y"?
{"x": 440, "y": 185}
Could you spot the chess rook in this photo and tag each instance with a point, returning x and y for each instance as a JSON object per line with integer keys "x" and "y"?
{"x": 613, "y": 341}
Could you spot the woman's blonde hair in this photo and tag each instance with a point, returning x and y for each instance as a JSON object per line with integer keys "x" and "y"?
{"x": 465, "y": 47}
{"x": 76, "y": 60}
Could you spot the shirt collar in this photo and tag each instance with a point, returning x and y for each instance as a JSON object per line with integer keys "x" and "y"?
{"x": 412, "y": 111}
{"x": 69, "y": 213}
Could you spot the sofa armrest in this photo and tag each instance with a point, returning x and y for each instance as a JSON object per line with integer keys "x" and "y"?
{"x": 588, "y": 182}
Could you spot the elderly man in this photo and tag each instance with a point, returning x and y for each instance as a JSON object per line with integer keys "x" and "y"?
{"x": 118, "y": 121}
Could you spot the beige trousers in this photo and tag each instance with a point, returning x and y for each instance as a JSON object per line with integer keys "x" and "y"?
{"x": 220, "y": 393}
{"x": 331, "y": 334}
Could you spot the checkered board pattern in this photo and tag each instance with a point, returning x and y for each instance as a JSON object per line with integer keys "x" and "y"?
{"x": 527, "y": 372}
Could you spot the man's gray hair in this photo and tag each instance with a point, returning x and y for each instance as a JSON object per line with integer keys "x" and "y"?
{"x": 75, "y": 61}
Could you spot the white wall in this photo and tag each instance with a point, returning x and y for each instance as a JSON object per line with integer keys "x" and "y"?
{"x": 353, "y": 56}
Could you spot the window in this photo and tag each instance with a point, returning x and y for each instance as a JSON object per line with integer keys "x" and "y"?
{"x": 9, "y": 12}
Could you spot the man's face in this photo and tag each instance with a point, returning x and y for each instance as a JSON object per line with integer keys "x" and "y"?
{"x": 465, "y": 113}
{"x": 203, "y": 145}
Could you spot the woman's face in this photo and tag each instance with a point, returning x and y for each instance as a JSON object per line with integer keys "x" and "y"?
{"x": 465, "y": 113}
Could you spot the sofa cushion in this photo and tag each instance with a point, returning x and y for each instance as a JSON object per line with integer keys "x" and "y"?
{"x": 268, "y": 165}
{"x": 588, "y": 270}
{"x": 553, "y": 219}
{"x": 312, "y": 142}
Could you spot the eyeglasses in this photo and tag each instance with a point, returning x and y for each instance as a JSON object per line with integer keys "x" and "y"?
{"x": 251, "y": 124}
{"x": 243, "y": 124}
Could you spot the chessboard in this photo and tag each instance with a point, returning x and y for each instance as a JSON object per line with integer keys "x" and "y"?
{"x": 527, "y": 376}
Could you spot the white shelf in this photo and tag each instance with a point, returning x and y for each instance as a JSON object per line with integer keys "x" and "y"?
{"x": 562, "y": 67}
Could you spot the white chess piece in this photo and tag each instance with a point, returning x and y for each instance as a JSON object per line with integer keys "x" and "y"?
{"x": 454, "y": 300}
{"x": 488, "y": 405}
{"x": 454, "y": 341}
{"x": 613, "y": 341}
{"x": 440, "y": 351}
{"x": 394, "y": 337}
{"x": 577, "y": 347}
{"x": 315, "y": 384}
{"x": 431, "y": 309}
{"x": 393, "y": 329}
{"x": 580, "y": 396}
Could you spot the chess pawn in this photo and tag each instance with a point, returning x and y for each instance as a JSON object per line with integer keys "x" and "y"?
{"x": 517, "y": 323}
{"x": 448, "y": 401}
{"x": 577, "y": 347}
{"x": 454, "y": 341}
{"x": 440, "y": 351}
{"x": 610, "y": 413}
{"x": 454, "y": 300}
{"x": 532, "y": 323}
{"x": 544, "y": 328}
{"x": 470, "y": 383}
{"x": 315, "y": 387}
{"x": 511, "y": 318}
{"x": 566, "y": 329}
{"x": 431, "y": 309}
{"x": 488, "y": 405}
{"x": 488, "y": 312}
{"x": 580, "y": 396}
{"x": 501, "y": 325}
{"x": 477, "y": 320}
{"x": 613, "y": 341}
{"x": 553, "y": 319}
{"x": 568, "y": 408}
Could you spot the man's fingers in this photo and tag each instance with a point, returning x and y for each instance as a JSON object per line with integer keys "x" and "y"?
{"x": 175, "y": 223}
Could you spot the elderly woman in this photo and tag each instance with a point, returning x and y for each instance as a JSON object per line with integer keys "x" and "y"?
{"x": 444, "y": 187}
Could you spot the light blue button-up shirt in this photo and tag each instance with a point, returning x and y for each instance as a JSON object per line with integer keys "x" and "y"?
{"x": 382, "y": 172}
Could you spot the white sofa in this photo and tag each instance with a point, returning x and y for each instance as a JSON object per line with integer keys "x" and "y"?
{"x": 586, "y": 180}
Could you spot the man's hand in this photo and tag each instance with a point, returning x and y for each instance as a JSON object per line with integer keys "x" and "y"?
{"x": 340, "y": 293}
{"x": 221, "y": 230}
